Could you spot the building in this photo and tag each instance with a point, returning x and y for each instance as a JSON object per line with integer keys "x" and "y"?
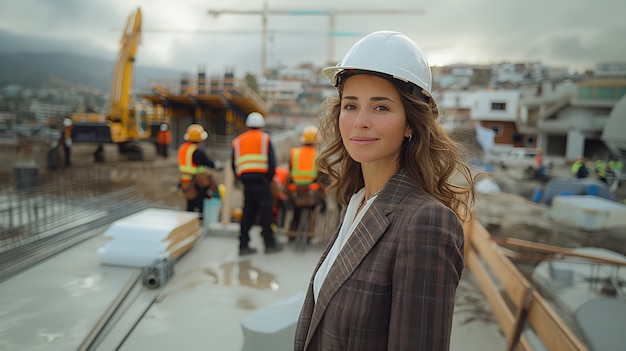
{"x": 574, "y": 126}
{"x": 295, "y": 94}
{"x": 498, "y": 110}
{"x": 220, "y": 103}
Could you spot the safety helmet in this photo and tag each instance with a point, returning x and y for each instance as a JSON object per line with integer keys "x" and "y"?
{"x": 163, "y": 127}
{"x": 67, "y": 121}
{"x": 387, "y": 52}
{"x": 195, "y": 133}
{"x": 255, "y": 120}
{"x": 309, "y": 134}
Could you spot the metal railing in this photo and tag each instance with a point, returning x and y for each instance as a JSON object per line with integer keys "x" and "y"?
{"x": 57, "y": 204}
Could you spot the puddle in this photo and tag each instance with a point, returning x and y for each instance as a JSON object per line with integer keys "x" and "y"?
{"x": 246, "y": 304}
{"x": 243, "y": 273}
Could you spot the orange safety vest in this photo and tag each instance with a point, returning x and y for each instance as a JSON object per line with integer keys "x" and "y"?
{"x": 68, "y": 133}
{"x": 280, "y": 177}
{"x": 187, "y": 168}
{"x": 302, "y": 161}
{"x": 164, "y": 137}
{"x": 251, "y": 152}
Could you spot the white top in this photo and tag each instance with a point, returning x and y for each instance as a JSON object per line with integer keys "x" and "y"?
{"x": 350, "y": 221}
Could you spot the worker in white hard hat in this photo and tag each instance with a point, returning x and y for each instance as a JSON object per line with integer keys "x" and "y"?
{"x": 388, "y": 278}
{"x": 164, "y": 139}
{"x": 66, "y": 140}
{"x": 254, "y": 165}
{"x": 193, "y": 162}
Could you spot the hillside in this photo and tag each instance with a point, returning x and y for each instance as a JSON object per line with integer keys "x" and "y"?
{"x": 58, "y": 69}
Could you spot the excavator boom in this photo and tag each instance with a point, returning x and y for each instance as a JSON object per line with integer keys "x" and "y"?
{"x": 123, "y": 78}
{"x": 121, "y": 125}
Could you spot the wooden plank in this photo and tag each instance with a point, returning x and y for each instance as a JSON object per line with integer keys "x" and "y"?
{"x": 560, "y": 250}
{"x": 520, "y": 321}
{"x": 550, "y": 328}
{"x": 509, "y": 276}
{"x": 499, "y": 307}
{"x": 530, "y": 305}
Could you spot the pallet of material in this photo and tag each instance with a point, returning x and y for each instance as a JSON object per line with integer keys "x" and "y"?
{"x": 150, "y": 235}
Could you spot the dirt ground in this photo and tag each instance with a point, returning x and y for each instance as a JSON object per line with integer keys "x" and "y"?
{"x": 506, "y": 214}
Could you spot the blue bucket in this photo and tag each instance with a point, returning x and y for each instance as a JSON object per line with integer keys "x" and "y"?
{"x": 593, "y": 189}
{"x": 211, "y": 211}
{"x": 537, "y": 195}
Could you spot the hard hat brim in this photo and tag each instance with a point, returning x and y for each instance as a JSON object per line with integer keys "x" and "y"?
{"x": 331, "y": 74}
{"x": 203, "y": 137}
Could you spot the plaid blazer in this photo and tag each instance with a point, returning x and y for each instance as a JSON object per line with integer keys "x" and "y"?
{"x": 392, "y": 287}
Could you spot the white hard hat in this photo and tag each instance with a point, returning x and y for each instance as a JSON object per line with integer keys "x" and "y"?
{"x": 387, "y": 52}
{"x": 163, "y": 127}
{"x": 67, "y": 121}
{"x": 255, "y": 120}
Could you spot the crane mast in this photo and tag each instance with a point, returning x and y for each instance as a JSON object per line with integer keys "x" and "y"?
{"x": 265, "y": 12}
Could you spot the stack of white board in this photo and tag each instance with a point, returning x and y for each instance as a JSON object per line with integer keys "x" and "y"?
{"x": 589, "y": 212}
{"x": 152, "y": 234}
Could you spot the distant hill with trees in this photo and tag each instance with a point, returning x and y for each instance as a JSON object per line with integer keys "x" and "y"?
{"x": 38, "y": 70}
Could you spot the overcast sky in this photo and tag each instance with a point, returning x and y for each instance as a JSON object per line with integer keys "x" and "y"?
{"x": 181, "y": 35}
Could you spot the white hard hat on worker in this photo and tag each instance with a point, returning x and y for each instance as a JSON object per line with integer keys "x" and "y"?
{"x": 255, "y": 120}
{"x": 391, "y": 53}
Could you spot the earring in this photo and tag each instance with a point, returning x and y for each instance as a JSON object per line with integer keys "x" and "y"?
{"x": 409, "y": 138}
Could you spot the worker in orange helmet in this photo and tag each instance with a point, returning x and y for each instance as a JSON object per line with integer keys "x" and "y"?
{"x": 254, "y": 164}
{"x": 303, "y": 172}
{"x": 193, "y": 161}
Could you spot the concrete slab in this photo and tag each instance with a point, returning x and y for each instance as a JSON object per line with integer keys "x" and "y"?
{"x": 213, "y": 289}
{"x": 54, "y": 305}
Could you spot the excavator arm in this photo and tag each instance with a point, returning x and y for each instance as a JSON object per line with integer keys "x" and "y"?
{"x": 123, "y": 128}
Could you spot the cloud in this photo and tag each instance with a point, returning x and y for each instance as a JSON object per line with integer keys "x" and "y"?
{"x": 182, "y": 35}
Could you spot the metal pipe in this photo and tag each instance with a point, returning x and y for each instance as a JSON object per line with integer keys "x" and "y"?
{"x": 91, "y": 338}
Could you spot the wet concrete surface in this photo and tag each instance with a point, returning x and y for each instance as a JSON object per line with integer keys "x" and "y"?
{"x": 54, "y": 305}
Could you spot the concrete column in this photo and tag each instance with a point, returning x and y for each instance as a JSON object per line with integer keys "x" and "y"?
{"x": 575, "y": 145}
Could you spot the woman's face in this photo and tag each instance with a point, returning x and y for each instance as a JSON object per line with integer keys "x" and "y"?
{"x": 372, "y": 121}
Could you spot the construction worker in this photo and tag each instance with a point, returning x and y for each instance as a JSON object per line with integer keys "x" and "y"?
{"x": 193, "y": 161}
{"x": 254, "y": 165}
{"x": 66, "y": 140}
{"x": 539, "y": 168}
{"x": 615, "y": 169}
{"x": 579, "y": 168}
{"x": 164, "y": 139}
{"x": 600, "y": 168}
{"x": 303, "y": 172}
{"x": 615, "y": 165}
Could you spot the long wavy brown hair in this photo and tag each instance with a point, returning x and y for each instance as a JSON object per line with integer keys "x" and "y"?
{"x": 431, "y": 157}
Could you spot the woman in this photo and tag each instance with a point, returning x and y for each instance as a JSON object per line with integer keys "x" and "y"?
{"x": 388, "y": 278}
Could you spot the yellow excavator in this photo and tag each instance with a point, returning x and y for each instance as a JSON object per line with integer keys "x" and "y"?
{"x": 124, "y": 129}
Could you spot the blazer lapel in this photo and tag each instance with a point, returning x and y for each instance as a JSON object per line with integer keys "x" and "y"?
{"x": 366, "y": 234}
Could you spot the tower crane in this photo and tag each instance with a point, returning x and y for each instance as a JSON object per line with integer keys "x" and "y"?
{"x": 265, "y": 12}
